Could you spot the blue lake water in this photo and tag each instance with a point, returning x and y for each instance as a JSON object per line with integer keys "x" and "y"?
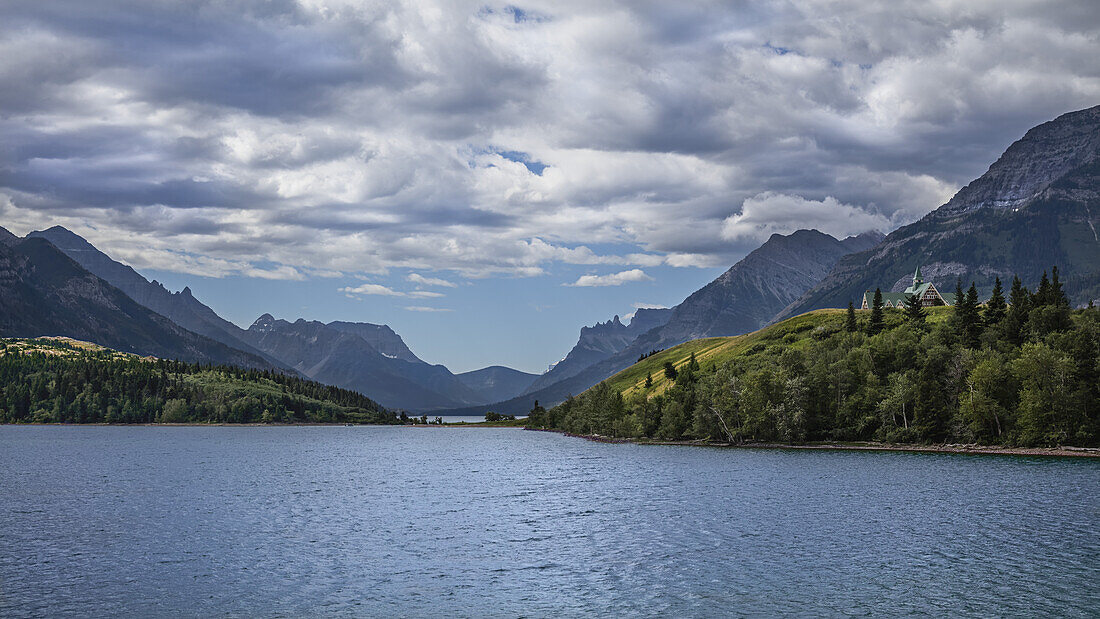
{"x": 371, "y": 521}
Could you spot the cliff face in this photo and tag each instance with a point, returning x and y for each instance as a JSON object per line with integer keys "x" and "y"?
{"x": 1032, "y": 164}
{"x": 44, "y": 292}
{"x": 1037, "y": 206}
{"x": 599, "y": 342}
{"x": 381, "y": 338}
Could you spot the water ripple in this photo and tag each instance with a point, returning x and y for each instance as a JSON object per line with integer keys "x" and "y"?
{"x": 98, "y": 521}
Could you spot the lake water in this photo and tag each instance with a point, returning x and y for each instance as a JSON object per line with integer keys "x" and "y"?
{"x": 376, "y": 521}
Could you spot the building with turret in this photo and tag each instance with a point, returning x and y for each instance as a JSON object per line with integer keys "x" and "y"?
{"x": 927, "y": 292}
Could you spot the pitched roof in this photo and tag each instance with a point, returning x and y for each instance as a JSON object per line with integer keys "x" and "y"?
{"x": 918, "y": 290}
{"x": 894, "y": 299}
{"x": 891, "y": 298}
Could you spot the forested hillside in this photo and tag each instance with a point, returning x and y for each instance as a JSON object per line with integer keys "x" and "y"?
{"x": 50, "y": 380}
{"x": 1022, "y": 374}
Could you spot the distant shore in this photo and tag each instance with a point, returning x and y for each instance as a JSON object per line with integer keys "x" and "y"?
{"x": 988, "y": 450}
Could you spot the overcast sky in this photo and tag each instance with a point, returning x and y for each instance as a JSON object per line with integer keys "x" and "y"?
{"x": 486, "y": 178}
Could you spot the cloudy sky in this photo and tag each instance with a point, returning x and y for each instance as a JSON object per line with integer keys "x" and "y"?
{"x": 486, "y": 178}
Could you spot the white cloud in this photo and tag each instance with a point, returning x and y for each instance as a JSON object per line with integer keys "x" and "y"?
{"x": 416, "y": 278}
{"x": 372, "y": 289}
{"x": 421, "y": 308}
{"x": 770, "y": 213}
{"x": 613, "y": 279}
{"x": 386, "y": 291}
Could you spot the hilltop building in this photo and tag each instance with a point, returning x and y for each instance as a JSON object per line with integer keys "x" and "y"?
{"x": 927, "y": 292}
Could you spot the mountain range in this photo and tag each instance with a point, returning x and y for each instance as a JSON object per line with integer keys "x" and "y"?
{"x": 350, "y": 355}
{"x": 181, "y": 307}
{"x": 44, "y": 292}
{"x": 115, "y": 306}
{"x": 1032, "y": 209}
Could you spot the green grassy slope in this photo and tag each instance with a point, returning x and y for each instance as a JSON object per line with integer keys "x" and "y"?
{"x": 795, "y": 332}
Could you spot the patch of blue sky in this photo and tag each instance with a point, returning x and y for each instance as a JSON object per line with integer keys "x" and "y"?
{"x": 535, "y": 167}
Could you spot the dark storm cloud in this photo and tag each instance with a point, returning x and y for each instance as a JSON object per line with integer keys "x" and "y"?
{"x": 264, "y": 58}
{"x": 361, "y": 135}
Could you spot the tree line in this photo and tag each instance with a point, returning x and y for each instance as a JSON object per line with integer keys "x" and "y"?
{"x": 1018, "y": 371}
{"x": 89, "y": 387}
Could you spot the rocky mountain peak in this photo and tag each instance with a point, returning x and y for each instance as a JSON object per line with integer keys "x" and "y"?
{"x": 381, "y": 337}
{"x": 1045, "y": 154}
{"x": 864, "y": 240}
{"x": 7, "y": 238}
{"x": 1035, "y": 207}
{"x": 263, "y": 323}
{"x": 65, "y": 239}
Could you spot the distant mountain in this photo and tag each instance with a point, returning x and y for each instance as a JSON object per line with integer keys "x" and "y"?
{"x": 599, "y": 342}
{"x": 748, "y": 295}
{"x": 338, "y": 354}
{"x": 496, "y": 382}
{"x": 44, "y": 292}
{"x": 380, "y": 337}
{"x": 1032, "y": 209}
{"x": 7, "y": 238}
{"x": 741, "y": 300}
{"x": 180, "y": 307}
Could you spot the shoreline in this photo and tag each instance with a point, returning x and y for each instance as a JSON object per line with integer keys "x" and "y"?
{"x": 947, "y": 448}
{"x": 99, "y": 424}
{"x": 984, "y": 450}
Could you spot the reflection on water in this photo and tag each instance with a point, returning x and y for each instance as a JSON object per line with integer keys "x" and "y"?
{"x": 429, "y": 521}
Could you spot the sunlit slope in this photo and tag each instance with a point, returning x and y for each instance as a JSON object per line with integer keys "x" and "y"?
{"x": 796, "y": 332}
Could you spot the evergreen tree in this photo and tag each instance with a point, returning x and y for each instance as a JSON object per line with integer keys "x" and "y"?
{"x": 648, "y": 380}
{"x": 693, "y": 364}
{"x": 995, "y": 309}
{"x": 877, "y": 321}
{"x": 670, "y": 371}
{"x": 1057, "y": 294}
{"x": 850, "y": 324}
{"x": 1043, "y": 295}
{"x": 1050, "y": 311}
{"x": 1019, "y": 300}
{"x": 970, "y": 322}
{"x": 914, "y": 310}
{"x": 956, "y": 320}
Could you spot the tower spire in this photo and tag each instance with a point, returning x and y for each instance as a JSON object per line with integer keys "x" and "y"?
{"x": 917, "y": 279}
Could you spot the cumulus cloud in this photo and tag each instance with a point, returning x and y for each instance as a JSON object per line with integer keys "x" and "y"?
{"x": 386, "y": 291}
{"x": 770, "y": 213}
{"x": 612, "y": 279}
{"x": 326, "y": 137}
